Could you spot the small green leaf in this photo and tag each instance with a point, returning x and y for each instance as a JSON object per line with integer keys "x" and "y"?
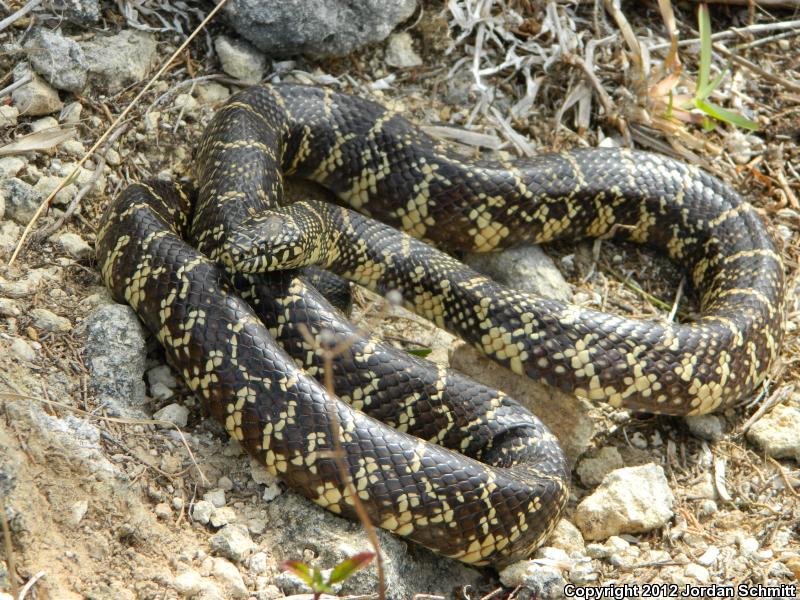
{"x": 301, "y": 570}
{"x": 421, "y": 352}
{"x": 702, "y": 94}
{"x": 704, "y": 24}
{"x": 728, "y": 116}
{"x": 347, "y": 567}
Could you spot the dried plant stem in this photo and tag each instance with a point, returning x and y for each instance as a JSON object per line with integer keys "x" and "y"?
{"x": 17, "y": 84}
{"x": 9, "y": 552}
{"x": 751, "y": 66}
{"x": 46, "y": 232}
{"x": 792, "y": 26}
{"x": 107, "y": 133}
{"x": 29, "y": 584}
{"x": 338, "y": 453}
{"x": 8, "y": 21}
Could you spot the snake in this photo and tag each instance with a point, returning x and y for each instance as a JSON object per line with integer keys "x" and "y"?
{"x": 215, "y": 273}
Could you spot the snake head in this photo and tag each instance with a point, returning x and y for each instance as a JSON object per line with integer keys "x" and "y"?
{"x": 276, "y": 240}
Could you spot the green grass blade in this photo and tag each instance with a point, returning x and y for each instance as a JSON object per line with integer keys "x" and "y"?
{"x": 725, "y": 115}
{"x": 704, "y": 24}
{"x": 706, "y": 92}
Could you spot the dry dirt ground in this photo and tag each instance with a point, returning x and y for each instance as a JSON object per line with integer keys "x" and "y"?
{"x": 79, "y": 532}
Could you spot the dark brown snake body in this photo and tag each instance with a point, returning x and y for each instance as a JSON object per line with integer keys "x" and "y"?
{"x": 160, "y": 250}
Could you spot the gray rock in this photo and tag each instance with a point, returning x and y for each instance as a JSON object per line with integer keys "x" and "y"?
{"x": 211, "y": 92}
{"x": 223, "y": 516}
{"x": 567, "y": 416}
{"x": 74, "y": 245}
{"x": 543, "y": 581}
{"x": 163, "y": 375}
{"x": 525, "y": 268}
{"x": 188, "y": 583}
{"x": 315, "y": 27}
{"x": 160, "y": 392}
{"x": 240, "y": 59}
{"x": 9, "y": 308}
{"x": 177, "y": 414}
{"x": 630, "y": 500}
{"x": 707, "y": 427}
{"x": 233, "y": 541}
{"x": 400, "y": 51}
{"x": 698, "y": 572}
{"x": 8, "y": 116}
{"x": 583, "y": 573}
{"x": 202, "y": 511}
{"x": 296, "y": 525}
{"x": 80, "y": 12}
{"x": 216, "y": 497}
{"x": 230, "y": 578}
{"x": 567, "y": 537}
{"x": 23, "y": 350}
{"x": 58, "y": 59}
{"x": 49, "y": 321}
{"x": 163, "y": 511}
{"x": 258, "y": 563}
{"x": 21, "y": 200}
{"x": 115, "y": 354}
{"x": 709, "y": 557}
{"x": 48, "y": 184}
{"x": 35, "y": 97}
{"x": 10, "y": 166}
{"x": 777, "y": 432}
{"x": 119, "y": 60}
{"x": 593, "y": 470}
{"x": 77, "y": 512}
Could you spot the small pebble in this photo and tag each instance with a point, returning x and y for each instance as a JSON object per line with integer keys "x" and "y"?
{"x": 77, "y": 512}
{"x": 222, "y": 516}
{"x": 229, "y": 576}
{"x": 258, "y": 563}
{"x": 173, "y": 413}
{"x": 202, "y": 511}
{"x": 9, "y": 308}
{"x": 162, "y": 374}
{"x": 216, "y": 497}
{"x": 225, "y": 483}
{"x": 256, "y": 526}
{"x": 707, "y": 427}
{"x": 709, "y": 556}
{"x": 747, "y": 545}
{"x": 233, "y": 541}
{"x": 49, "y": 321}
{"x": 583, "y": 573}
{"x": 188, "y": 583}
{"x": 697, "y": 572}
{"x": 75, "y": 245}
{"x": 163, "y": 511}
{"x": 161, "y": 392}
{"x": 8, "y": 116}
{"x": 23, "y": 350}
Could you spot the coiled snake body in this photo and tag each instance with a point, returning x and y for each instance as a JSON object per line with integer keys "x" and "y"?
{"x": 488, "y": 482}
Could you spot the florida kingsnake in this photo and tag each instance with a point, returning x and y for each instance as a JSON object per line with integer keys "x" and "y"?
{"x": 489, "y": 482}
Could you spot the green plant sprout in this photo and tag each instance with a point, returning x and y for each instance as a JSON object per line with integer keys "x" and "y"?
{"x": 705, "y": 87}
{"x": 318, "y": 582}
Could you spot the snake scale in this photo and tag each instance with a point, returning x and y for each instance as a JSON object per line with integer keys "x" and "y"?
{"x": 455, "y": 466}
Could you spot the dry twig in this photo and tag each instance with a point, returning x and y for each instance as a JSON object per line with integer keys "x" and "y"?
{"x": 107, "y": 133}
